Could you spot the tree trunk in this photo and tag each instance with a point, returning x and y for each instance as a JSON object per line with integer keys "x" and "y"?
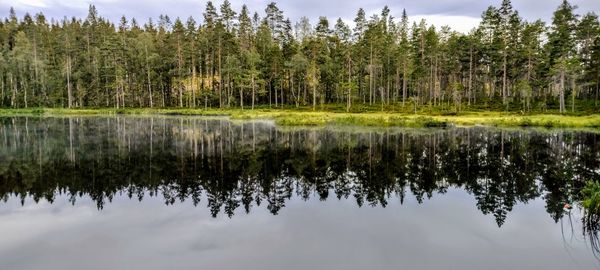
{"x": 117, "y": 98}
{"x": 13, "y": 97}
{"x": 562, "y": 90}
{"x": 404, "y": 83}
{"x": 35, "y": 66}
{"x": 179, "y": 63}
{"x": 470, "y": 75}
{"x": 148, "y": 77}
{"x": 573, "y": 94}
{"x": 349, "y": 85}
{"x": 253, "y": 91}
{"x": 314, "y": 97}
{"x": 220, "y": 77}
{"x": 228, "y": 89}
{"x": 2, "y": 89}
{"x": 24, "y": 92}
{"x": 69, "y": 89}
{"x": 241, "y": 98}
{"x": 295, "y": 95}
{"x": 597, "y": 89}
{"x": 194, "y": 84}
{"x": 504, "y": 80}
{"x": 371, "y": 83}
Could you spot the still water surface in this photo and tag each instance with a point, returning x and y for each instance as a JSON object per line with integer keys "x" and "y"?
{"x": 207, "y": 193}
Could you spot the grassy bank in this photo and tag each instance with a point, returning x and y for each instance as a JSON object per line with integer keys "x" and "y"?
{"x": 306, "y": 117}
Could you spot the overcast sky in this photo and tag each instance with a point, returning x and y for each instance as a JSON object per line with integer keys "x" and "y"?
{"x": 461, "y": 15}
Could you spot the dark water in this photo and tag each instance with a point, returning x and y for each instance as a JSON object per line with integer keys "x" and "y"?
{"x": 196, "y": 193}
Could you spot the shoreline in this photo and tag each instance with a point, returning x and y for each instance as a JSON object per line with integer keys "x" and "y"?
{"x": 303, "y": 117}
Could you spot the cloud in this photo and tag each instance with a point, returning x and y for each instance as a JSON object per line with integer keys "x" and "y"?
{"x": 462, "y": 24}
{"x": 461, "y": 15}
{"x": 34, "y": 3}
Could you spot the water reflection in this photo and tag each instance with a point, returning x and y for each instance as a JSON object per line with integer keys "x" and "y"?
{"x": 228, "y": 166}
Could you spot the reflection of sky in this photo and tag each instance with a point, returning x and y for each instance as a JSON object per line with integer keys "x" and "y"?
{"x": 446, "y": 232}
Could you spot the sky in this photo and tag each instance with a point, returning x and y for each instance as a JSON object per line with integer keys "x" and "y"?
{"x": 460, "y": 15}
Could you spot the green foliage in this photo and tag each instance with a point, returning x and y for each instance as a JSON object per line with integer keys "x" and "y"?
{"x": 360, "y": 116}
{"x": 234, "y": 59}
{"x": 591, "y": 197}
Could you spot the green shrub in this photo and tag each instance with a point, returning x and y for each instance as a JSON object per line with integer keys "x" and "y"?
{"x": 525, "y": 122}
{"x": 430, "y": 122}
{"x": 591, "y": 197}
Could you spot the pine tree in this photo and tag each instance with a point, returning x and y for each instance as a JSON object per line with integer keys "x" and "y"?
{"x": 238, "y": 59}
{"x": 561, "y": 42}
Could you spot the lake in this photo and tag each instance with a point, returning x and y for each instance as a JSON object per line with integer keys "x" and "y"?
{"x": 128, "y": 192}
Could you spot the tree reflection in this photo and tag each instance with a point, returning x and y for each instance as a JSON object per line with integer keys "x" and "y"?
{"x": 239, "y": 166}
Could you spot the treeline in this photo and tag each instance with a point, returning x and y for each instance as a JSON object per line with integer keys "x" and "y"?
{"x": 246, "y": 59}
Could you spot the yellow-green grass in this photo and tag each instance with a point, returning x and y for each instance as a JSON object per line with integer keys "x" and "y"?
{"x": 304, "y": 117}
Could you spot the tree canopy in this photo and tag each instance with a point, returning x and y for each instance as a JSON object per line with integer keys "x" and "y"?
{"x": 240, "y": 58}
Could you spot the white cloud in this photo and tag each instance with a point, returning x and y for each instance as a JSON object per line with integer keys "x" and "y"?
{"x": 461, "y": 15}
{"x": 33, "y": 3}
{"x": 462, "y": 24}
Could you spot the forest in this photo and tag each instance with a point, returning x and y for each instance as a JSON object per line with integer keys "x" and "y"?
{"x": 243, "y": 59}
